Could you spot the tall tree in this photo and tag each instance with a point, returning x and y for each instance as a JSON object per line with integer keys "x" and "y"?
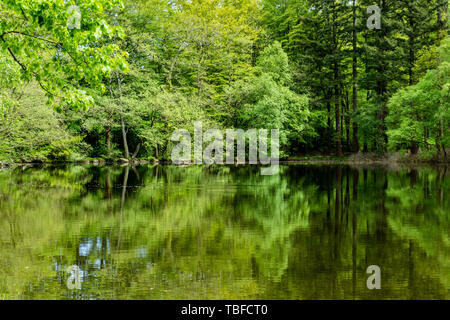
{"x": 355, "y": 76}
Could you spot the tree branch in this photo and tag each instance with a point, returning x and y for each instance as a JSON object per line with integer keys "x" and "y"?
{"x": 30, "y": 35}
{"x": 23, "y": 13}
{"x": 42, "y": 86}
{"x": 13, "y": 55}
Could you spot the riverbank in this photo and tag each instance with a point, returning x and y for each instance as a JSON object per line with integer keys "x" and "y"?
{"x": 352, "y": 159}
{"x": 372, "y": 158}
{"x": 98, "y": 162}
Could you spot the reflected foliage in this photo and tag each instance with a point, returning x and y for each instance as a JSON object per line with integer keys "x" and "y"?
{"x": 224, "y": 232}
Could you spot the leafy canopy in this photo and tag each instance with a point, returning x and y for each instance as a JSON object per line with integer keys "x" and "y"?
{"x": 37, "y": 37}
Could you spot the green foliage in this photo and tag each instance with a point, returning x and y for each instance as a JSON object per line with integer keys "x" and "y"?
{"x": 140, "y": 69}
{"x": 336, "y": 60}
{"x": 274, "y": 62}
{"x": 31, "y": 131}
{"x": 266, "y": 102}
{"x": 35, "y": 34}
{"x": 420, "y": 113}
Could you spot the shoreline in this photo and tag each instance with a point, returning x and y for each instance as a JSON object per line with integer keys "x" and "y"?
{"x": 307, "y": 161}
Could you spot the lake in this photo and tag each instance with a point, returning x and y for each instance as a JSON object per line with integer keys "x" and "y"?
{"x": 224, "y": 232}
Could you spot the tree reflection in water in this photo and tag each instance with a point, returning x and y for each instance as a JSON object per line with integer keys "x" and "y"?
{"x": 166, "y": 232}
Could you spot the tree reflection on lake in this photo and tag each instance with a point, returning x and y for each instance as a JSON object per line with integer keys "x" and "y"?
{"x": 220, "y": 232}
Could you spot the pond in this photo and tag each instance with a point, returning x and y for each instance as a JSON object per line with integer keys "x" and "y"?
{"x": 224, "y": 232}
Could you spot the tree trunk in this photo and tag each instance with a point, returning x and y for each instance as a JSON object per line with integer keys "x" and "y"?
{"x": 382, "y": 91}
{"x": 336, "y": 86}
{"x": 338, "y": 124}
{"x": 199, "y": 65}
{"x": 122, "y": 123}
{"x": 414, "y": 147}
{"x": 329, "y": 127}
{"x": 124, "y": 137}
{"x": 412, "y": 55}
{"x": 108, "y": 141}
{"x": 355, "y": 79}
{"x": 172, "y": 65}
{"x": 109, "y": 128}
{"x": 347, "y": 121}
{"x": 137, "y": 150}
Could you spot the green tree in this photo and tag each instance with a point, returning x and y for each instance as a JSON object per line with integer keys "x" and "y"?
{"x": 37, "y": 35}
{"x": 419, "y": 114}
{"x": 266, "y": 102}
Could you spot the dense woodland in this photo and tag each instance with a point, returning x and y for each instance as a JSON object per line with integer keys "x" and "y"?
{"x": 134, "y": 71}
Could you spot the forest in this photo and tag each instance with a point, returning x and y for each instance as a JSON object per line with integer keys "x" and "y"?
{"x": 114, "y": 86}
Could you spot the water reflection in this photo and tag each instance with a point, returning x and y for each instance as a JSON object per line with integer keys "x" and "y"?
{"x": 168, "y": 232}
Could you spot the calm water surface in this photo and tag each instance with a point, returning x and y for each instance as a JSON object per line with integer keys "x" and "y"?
{"x": 166, "y": 232}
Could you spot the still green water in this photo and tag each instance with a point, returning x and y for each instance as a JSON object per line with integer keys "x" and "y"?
{"x": 166, "y": 232}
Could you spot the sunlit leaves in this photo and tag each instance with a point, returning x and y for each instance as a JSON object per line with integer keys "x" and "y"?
{"x": 35, "y": 35}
